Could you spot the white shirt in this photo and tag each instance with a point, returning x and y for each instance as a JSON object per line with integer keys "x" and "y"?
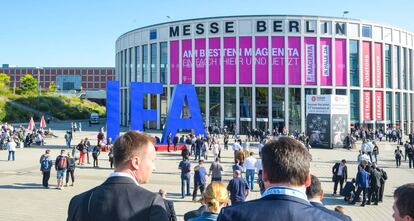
{"x": 11, "y": 146}
{"x": 250, "y": 163}
{"x": 121, "y": 174}
{"x": 236, "y": 146}
{"x": 369, "y": 147}
{"x": 216, "y": 148}
{"x": 340, "y": 170}
{"x": 260, "y": 147}
{"x": 259, "y": 165}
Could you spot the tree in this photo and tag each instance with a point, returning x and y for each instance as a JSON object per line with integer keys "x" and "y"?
{"x": 52, "y": 87}
{"x": 28, "y": 84}
{"x": 4, "y": 83}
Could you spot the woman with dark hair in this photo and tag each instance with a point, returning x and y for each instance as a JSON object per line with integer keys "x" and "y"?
{"x": 95, "y": 153}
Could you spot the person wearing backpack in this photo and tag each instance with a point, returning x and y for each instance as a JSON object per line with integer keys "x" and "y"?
{"x": 82, "y": 151}
{"x": 61, "y": 166}
{"x": 71, "y": 170}
{"x": 45, "y": 167}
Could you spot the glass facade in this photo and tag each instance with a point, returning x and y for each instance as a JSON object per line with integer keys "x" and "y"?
{"x": 326, "y": 91}
{"x": 154, "y": 63}
{"x": 397, "y": 107}
{"x": 396, "y": 65}
{"x": 163, "y": 62}
{"x": 230, "y": 107}
{"x": 294, "y": 109}
{"x": 164, "y": 106}
{"x": 214, "y": 111}
{"x": 388, "y": 107}
{"x": 138, "y": 75}
{"x": 145, "y": 77}
{"x": 388, "y": 76}
{"x": 403, "y": 69}
{"x": 354, "y": 62}
{"x": 354, "y": 106}
{"x": 201, "y": 95}
{"x": 262, "y": 104}
{"x": 278, "y": 108}
{"x": 245, "y": 109}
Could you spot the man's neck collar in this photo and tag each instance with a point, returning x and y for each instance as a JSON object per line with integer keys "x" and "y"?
{"x": 288, "y": 185}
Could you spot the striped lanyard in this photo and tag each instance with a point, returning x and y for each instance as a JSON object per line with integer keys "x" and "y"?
{"x": 281, "y": 190}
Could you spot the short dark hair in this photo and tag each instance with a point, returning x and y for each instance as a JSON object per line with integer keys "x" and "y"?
{"x": 286, "y": 160}
{"x": 343, "y": 161}
{"x": 129, "y": 144}
{"x": 314, "y": 189}
{"x": 404, "y": 196}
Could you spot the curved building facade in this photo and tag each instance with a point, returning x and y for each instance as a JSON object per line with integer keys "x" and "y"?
{"x": 255, "y": 71}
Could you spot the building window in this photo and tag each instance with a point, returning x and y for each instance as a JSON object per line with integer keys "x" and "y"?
{"x": 230, "y": 108}
{"x": 278, "y": 108}
{"x": 354, "y": 62}
{"x": 341, "y": 91}
{"x": 410, "y": 69}
{"x": 262, "y": 111}
{"x": 367, "y": 31}
{"x": 130, "y": 65}
{"x": 164, "y": 106}
{"x": 245, "y": 109}
{"x": 354, "y": 106}
{"x": 388, "y": 77}
{"x": 154, "y": 63}
{"x": 163, "y": 61}
{"x": 397, "y": 107}
{"x": 326, "y": 91}
{"x": 214, "y": 111}
{"x": 145, "y": 77}
{"x": 388, "y": 107}
{"x": 404, "y": 107}
{"x": 294, "y": 110}
{"x": 396, "y": 62}
{"x": 404, "y": 69}
{"x": 201, "y": 94}
{"x": 138, "y": 76}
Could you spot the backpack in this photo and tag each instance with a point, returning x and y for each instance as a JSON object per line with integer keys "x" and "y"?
{"x": 63, "y": 163}
{"x": 45, "y": 164}
{"x": 384, "y": 175}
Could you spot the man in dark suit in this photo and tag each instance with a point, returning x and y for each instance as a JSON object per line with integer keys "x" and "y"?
{"x": 314, "y": 193}
{"x": 286, "y": 175}
{"x": 169, "y": 205}
{"x": 121, "y": 197}
{"x": 340, "y": 175}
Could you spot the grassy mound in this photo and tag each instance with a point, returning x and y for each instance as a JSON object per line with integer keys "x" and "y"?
{"x": 9, "y": 113}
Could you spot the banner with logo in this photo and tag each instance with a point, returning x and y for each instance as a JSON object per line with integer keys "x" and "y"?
{"x": 378, "y": 65}
{"x": 261, "y": 60}
{"x": 200, "y": 61}
{"x": 229, "y": 60}
{"x": 310, "y": 61}
{"x": 214, "y": 60}
{"x": 293, "y": 61}
{"x": 340, "y": 62}
{"x": 174, "y": 62}
{"x": 278, "y": 60}
{"x": 325, "y": 61}
{"x": 379, "y": 105}
{"x": 245, "y": 60}
{"x": 186, "y": 61}
{"x": 367, "y": 105}
{"x": 366, "y": 64}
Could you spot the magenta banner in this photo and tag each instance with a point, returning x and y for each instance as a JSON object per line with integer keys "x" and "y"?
{"x": 262, "y": 60}
{"x": 294, "y": 60}
{"x": 230, "y": 60}
{"x": 310, "y": 61}
{"x": 245, "y": 60}
{"x": 200, "y": 60}
{"x": 340, "y": 62}
{"x": 186, "y": 61}
{"x": 214, "y": 60}
{"x": 378, "y": 65}
{"x": 278, "y": 60}
{"x": 325, "y": 61}
{"x": 174, "y": 62}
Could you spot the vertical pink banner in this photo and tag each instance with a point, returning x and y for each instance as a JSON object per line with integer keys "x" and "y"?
{"x": 367, "y": 101}
{"x": 174, "y": 62}
{"x": 325, "y": 61}
{"x": 310, "y": 61}
{"x": 379, "y": 99}
{"x": 293, "y": 61}
{"x": 261, "y": 60}
{"x": 230, "y": 52}
{"x": 366, "y": 64}
{"x": 340, "y": 62}
{"x": 278, "y": 60}
{"x": 378, "y": 65}
{"x": 214, "y": 60}
{"x": 186, "y": 61}
{"x": 200, "y": 60}
{"x": 245, "y": 60}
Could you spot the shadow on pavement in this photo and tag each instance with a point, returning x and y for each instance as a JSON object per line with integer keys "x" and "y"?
{"x": 22, "y": 186}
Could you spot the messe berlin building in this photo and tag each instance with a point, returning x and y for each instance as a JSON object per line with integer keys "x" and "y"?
{"x": 255, "y": 71}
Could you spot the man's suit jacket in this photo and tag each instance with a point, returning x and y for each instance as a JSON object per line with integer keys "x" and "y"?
{"x": 275, "y": 207}
{"x": 334, "y": 213}
{"x": 169, "y": 205}
{"x": 118, "y": 198}
{"x": 335, "y": 169}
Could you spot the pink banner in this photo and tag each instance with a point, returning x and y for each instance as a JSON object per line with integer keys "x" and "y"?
{"x": 310, "y": 61}
{"x": 278, "y": 60}
{"x": 230, "y": 60}
{"x": 214, "y": 60}
{"x": 325, "y": 61}
{"x": 174, "y": 62}
{"x": 294, "y": 60}
{"x": 200, "y": 61}
{"x": 262, "y": 60}
{"x": 378, "y": 65}
{"x": 379, "y": 99}
{"x": 367, "y": 101}
{"x": 186, "y": 61}
{"x": 245, "y": 60}
{"x": 366, "y": 64}
{"x": 340, "y": 62}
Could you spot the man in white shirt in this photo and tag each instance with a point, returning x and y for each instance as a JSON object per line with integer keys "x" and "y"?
{"x": 236, "y": 147}
{"x": 250, "y": 167}
{"x": 11, "y": 147}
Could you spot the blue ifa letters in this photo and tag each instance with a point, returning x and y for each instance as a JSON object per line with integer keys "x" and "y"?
{"x": 139, "y": 115}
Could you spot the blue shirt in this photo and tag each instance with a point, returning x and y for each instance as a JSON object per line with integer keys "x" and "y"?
{"x": 206, "y": 216}
{"x": 200, "y": 175}
{"x": 237, "y": 167}
{"x": 237, "y": 187}
{"x": 185, "y": 167}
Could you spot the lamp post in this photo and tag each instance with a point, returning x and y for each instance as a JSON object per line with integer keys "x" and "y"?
{"x": 38, "y": 80}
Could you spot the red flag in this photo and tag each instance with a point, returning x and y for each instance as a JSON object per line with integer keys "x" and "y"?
{"x": 31, "y": 124}
{"x": 43, "y": 122}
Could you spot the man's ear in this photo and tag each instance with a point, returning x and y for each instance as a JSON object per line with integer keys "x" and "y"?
{"x": 265, "y": 178}
{"x": 308, "y": 181}
{"x": 135, "y": 162}
{"x": 322, "y": 195}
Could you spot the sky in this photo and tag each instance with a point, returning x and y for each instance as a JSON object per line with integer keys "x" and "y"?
{"x": 82, "y": 33}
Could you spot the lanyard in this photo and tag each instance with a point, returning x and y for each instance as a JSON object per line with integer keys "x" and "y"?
{"x": 281, "y": 190}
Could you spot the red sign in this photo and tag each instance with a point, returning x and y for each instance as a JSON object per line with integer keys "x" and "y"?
{"x": 379, "y": 104}
{"x": 367, "y": 105}
{"x": 366, "y": 64}
{"x": 378, "y": 65}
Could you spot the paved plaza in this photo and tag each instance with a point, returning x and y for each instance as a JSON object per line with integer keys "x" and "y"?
{"x": 22, "y": 196}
